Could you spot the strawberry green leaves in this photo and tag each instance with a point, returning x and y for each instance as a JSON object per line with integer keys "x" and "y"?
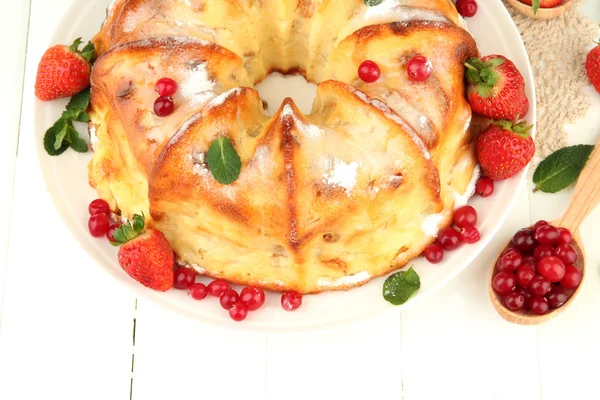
{"x": 399, "y": 287}
{"x": 536, "y": 6}
{"x": 87, "y": 52}
{"x": 520, "y": 128}
{"x": 562, "y": 168}
{"x": 128, "y": 231}
{"x": 483, "y": 75}
{"x": 63, "y": 134}
{"x": 223, "y": 161}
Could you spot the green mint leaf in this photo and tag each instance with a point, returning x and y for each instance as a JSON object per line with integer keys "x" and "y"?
{"x": 61, "y": 133}
{"x": 373, "y": 3}
{"x": 536, "y": 6}
{"x": 138, "y": 223}
{"x": 399, "y": 287}
{"x": 223, "y": 161}
{"x": 88, "y": 51}
{"x": 79, "y": 103}
{"x": 82, "y": 117}
{"x": 50, "y": 139}
{"x": 75, "y": 46}
{"x": 562, "y": 168}
{"x": 78, "y": 144}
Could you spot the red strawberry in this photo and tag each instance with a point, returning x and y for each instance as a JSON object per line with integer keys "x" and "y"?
{"x": 504, "y": 149}
{"x": 496, "y": 88}
{"x": 64, "y": 71}
{"x": 541, "y": 3}
{"x": 592, "y": 66}
{"x": 146, "y": 256}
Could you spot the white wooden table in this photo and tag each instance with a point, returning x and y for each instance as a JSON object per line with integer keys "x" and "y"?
{"x": 69, "y": 332}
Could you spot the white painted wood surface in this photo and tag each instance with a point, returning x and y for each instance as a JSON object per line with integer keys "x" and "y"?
{"x": 67, "y": 330}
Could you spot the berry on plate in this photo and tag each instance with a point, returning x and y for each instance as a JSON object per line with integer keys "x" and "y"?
{"x": 592, "y": 67}
{"x": 466, "y": 8}
{"x": 419, "y": 68}
{"x": 368, "y": 71}
{"x": 484, "y": 187}
{"x": 496, "y": 88}
{"x": 291, "y": 300}
{"x": 64, "y": 71}
{"x": 145, "y": 255}
{"x": 504, "y": 149}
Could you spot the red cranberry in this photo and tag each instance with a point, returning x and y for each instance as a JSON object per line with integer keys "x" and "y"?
{"x": 198, "y": 291}
{"x": 419, "y": 68}
{"x": 291, "y": 300}
{"x": 466, "y": 8}
{"x": 217, "y": 287}
{"x": 228, "y": 298}
{"x": 539, "y": 224}
{"x": 98, "y": 225}
{"x": 543, "y": 250}
{"x": 484, "y": 187}
{"x": 166, "y": 87}
{"x": 369, "y": 71}
{"x": 572, "y": 277}
{"x": 566, "y": 253}
{"x": 526, "y": 294}
{"x": 509, "y": 260}
{"x": 504, "y": 283}
{"x": 469, "y": 235}
{"x": 557, "y": 296}
{"x": 552, "y": 268}
{"x": 531, "y": 260}
{"x": 238, "y": 311}
{"x": 547, "y": 234}
{"x": 184, "y": 278}
{"x": 524, "y": 240}
{"x": 540, "y": 286}
{"x": 514, "y": 301}
{"x": 164, "y": 106}
{"x": 253, "y": 297}
{"x": 565, "y": 236}
{"x": 448, "y": 239}
{"x": 525, "y": 275}
{"x": 111, "y": 232}
{"x": 99, "y": 206}
{"x": 539, "y": 305}
{"x": 465, "y": 216}
{"x": 434, "y": 253}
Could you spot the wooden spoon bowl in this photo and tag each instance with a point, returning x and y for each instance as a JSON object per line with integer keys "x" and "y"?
{"x": 584, "y": 200}
{"x": 542, "y": 13}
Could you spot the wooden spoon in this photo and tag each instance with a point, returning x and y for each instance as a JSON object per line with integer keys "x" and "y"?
{"x": 584, "y": 200}
{"x": 542, "y": 13}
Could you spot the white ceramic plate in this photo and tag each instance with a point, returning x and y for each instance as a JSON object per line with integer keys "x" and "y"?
{"x": 66, "y": 179}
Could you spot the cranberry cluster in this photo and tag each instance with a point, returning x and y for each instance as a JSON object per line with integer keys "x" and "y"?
{"x": 164, "y": 105}
{"x": 537, "y": 272}
{"x": 251, "y": 298}
{"x": 99, "y": 223}
{"x": 419, "y": 69}
{"x": 450, "y": 238}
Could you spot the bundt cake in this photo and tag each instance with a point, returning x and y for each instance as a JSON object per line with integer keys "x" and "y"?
{"x": 324, "y": 201}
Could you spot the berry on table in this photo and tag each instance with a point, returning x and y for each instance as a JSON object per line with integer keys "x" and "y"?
{"x": 166, "y": 87}
{"x": 509, "y": 260}
{"x": 419, "y": 68}
{"x": 164, "y": 106}
{"x": 368, "y": 71}
{"x": 539, "y": 305}
{"x": 198, "y": 291}
{"x": 572, "y": 278}
{"x": 228, "y": 298}
{"x": 552, "y": 268}
{"x": 434, "y": 253}
{"x": 525, "y": 275}
{"x": 466, "y": 8}
{"x": 540, "y": 286}
{"x": 514, "y": 301}
{"x": 99, "y": 206}
{"x": 484, "y": 187}
{"x": 465, "y": 216}
{"x": 217, "y": 287}
{"x": 449, "y": 239}
{"x": 184, "y": 278}
{"x": 291, "y": 300}
{"x": 504, "y": 283}
{"x": 566, "y": 253}
{"x": 238, "y": 311}
{"x": 469, "y": 235}
{"x": 524, "y": 240}
{"x": 253, "y": 297}
{"x": 98, "y": 225}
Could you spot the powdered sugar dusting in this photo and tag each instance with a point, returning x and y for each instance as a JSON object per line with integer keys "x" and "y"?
{"x": 197, "y": 87}
{"x": 350, "y": 280}
{"x": 220, "y": 99}
{"x": 309, "y": 130}
{"x": 462, "y": 199}
{"x": 341, "y": 174}
{"x": 430, "y": 225}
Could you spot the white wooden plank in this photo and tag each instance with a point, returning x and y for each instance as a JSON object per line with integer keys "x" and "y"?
{"x": 362, "y": 361}
{"x": 14, "y": 21}
{"x": 64, "y": 322}
{"x": 569, "y": 346}
{"x": 177, "y": 358}
{"x": 454, "y": 345}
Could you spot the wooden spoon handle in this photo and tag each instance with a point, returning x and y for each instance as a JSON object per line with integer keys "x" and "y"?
{"x": 586, "y": 196}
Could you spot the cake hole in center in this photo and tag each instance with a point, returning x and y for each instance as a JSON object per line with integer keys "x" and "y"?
{"x": 276, "y": 87}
